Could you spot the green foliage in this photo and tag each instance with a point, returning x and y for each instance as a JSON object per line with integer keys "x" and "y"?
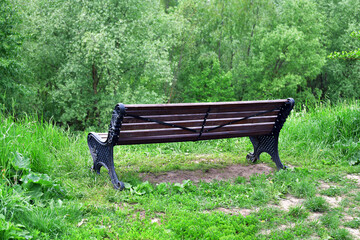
{"x": 211, "y": 84}
{"x": 298, "y": 212}
{"x": 212, "y": 226}
{"x": 317, "y": 204}
{"x": 332, "y": 191}
{"x": 286, "y": 56}
{"x": 8, "y": 230}
{"x": 341, "y": 234}
{"x": 75, "y": 61}
{"x": 97, "y": 53}
{"x": 331, "y": 220}
{"x": 355, "y": 223}
{"x": 347, "y": 55}
{"x": 325, "y": 128}
{"x": 39, "y": 185}
{"x": 11, "y": 69}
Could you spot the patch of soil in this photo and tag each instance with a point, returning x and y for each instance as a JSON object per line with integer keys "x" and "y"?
{"x": 354, "y": 232}
{"x": 354, "y": 177}
{"x": 235, "y": 211}
{"x": 288, "y": 202}
{"x": 333, "y": 201}
{"x": 229, "y": 172}
{"x": 325, "y": 185}
{"x": 314, "y": 216}
{"x": 141, "y": 214}
{"x": 347, "y": 218}
{"x": 156, "y": 220}
{"x": 265, "y": 232}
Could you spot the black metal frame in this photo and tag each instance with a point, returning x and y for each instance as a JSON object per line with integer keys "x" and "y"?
{"x": 269, "y": 143}
{"x": 103, "y": 155}
{"x": 102, "y": 152}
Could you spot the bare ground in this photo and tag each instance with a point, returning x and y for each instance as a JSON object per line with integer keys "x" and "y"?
{"x": 229, "y": 172}
{"x": 289, "y": 202}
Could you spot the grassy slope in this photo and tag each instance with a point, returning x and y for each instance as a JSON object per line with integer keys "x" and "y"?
{"x": 71, "y": 202}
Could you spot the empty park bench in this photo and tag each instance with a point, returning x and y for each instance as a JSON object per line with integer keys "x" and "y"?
{"x": 180, "y": 122}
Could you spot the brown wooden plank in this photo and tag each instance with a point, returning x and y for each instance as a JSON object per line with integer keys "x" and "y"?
{"x": 181, "y": 105}
{"x": 189, "y": 137}
{"x": 178, "y": 131}
{"x": 167, "y": 110}
{"x": 194, "y": 123}
{"x": 179, "y": 117}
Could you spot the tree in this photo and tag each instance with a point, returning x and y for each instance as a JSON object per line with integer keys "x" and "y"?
{"x": 97, "y": 54}
{"x": 286, "y": 55}
{"x": 340, "y": 79}
{"x": 10, "y": 66}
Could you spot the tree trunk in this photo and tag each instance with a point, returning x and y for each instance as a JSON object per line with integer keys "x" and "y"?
{"x": 96, "y": 79}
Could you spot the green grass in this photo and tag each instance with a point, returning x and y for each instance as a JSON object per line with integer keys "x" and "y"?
{"x": 47, "y": 190}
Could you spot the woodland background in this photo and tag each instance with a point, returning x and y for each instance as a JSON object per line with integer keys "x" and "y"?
{"x": 74, "y": 60}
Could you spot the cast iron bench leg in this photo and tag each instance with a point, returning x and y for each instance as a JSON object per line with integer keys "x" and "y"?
{"x": 268, "y": 144}
{"x": 102, "y": 154}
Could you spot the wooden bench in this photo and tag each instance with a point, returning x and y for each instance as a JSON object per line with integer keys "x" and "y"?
{"x": 180, "y": 122}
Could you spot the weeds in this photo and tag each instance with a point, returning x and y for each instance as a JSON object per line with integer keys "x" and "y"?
{"x": 317, "y": 204}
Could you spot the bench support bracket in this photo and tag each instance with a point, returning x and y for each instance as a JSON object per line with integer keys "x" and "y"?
{"x": 102, "y": 152}
{"x": 269, "y": 143}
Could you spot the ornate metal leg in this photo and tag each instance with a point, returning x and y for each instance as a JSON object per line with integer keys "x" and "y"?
{"x": 268, "y": 144}
{"x": 102, "y": 154}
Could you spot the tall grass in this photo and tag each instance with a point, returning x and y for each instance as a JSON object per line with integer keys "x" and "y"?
{"x": 48, "y": 148}
{"x": 324, "y": 135}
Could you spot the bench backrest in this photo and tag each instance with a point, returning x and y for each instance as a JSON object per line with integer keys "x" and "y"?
{"x": 158, "y": 123}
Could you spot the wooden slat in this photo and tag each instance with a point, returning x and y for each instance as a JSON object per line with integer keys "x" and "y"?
{"x": 189, "y": 137}
{"x": 202, "y": 109}
{"x": 179, "y": 117}
{"x": 194, "y": 123}
{"x": 182, "y": 105}
{"x": 178, "y": 131}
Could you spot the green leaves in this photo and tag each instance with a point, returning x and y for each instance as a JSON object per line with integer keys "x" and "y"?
{"x": 9, "y": 230}
{"x": 37, "y": 185}
{"x": 348, "y": 55}
{"x": 20, "y": 162}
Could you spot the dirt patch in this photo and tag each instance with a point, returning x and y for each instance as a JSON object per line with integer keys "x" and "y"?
{"x": 156, "y": 220}
{"x": 354, "y": 177}
{"x": 315, "y": 216}
{"x": 235, "y": 211}
{"x": 347, "y": 218}
{"x": 141, "y": 214}
{"x": 354, "y": 232}
{"x": 226, "y": 173}
{"x": 265, "y": 232}
{"x": 325, "y": 185}
{"x": 288, "y": 202}
{"x": 333, "y": 201}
